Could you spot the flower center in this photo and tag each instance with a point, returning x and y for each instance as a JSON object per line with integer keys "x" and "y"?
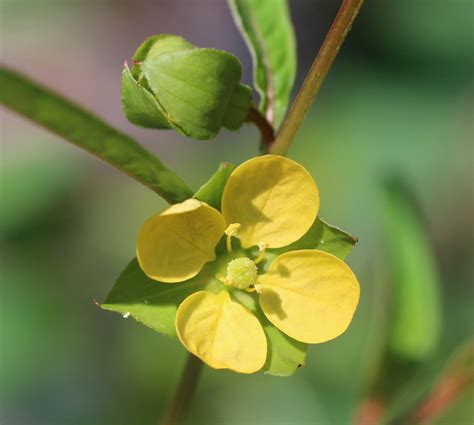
{"x": 241, "y": 273}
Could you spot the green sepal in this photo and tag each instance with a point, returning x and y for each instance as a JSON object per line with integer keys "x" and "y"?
{"x": 324, "y": 237}
{"x": 139, "y": 105}
{"x": 141, "y": 54}
{"x": 238, "y": 109}
{"x": 194, "y": 88}
{"x": 155, "y": 45}
{"x": 211, "y": 191}
{"x": 195, "y": 91}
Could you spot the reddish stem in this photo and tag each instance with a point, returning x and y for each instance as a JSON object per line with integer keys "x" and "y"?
{"x": 266, "y": 129}
{"x": 443, "y": 396}
{"x": 370, "y": 412}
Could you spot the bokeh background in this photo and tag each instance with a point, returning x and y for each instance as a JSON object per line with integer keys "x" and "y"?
{"x": 398, "y": 101}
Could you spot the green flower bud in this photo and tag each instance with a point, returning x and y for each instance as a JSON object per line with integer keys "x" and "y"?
{"x": 173, "y": 84}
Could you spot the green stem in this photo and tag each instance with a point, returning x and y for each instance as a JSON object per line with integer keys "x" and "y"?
{"x": 184, "y": 392}
{"x": 88, "y": 132}
{"x": 316, "y": 75}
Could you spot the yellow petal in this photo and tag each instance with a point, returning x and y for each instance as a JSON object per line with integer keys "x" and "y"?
{"x": 309, "y": 295}
{"x": 174, "y": 245}
{"x": 221, "y": 332}
{"x": 273, "y": 198}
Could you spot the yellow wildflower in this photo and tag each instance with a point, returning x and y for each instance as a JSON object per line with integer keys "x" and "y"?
{"x": 268, "y": 202}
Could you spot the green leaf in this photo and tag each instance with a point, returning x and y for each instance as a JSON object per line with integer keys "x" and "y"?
{"x": 211, "y": 191}
{"x": 268, "y": 32}
{"x": 32, "y": 188}
{"x": 324, "y": 237}
{"x": 416, "y": 317}
{"x": 90, "y": 133}
{"x": 285, "y": 354}
{"x": 150, "y": 302}
{"x": 139, "y": 105}
{"x": 194, "y": 87}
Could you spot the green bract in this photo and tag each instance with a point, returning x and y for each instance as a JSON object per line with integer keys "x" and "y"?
{"x": 137, "y": 296}
{"x": 173, "y": 84}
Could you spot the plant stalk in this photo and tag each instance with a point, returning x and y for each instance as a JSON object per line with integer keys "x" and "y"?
{"x": 316, "y": 75}
{"x": 184, "y": 392}
{"x": 264, "y": 126}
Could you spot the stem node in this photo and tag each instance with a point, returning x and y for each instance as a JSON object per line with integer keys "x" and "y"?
{"x": 316, "y": 75}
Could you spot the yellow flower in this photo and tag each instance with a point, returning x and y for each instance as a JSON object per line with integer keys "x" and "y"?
{"x": 268, "y": 202}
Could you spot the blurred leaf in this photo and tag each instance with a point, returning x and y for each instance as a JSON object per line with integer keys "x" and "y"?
{"x": 416, "y": 312}
{"x": 150, "y": 302}
{"x": 211, "y": 191}
{"x": 90, "y": 133}
{"x": 31, "y": 188}
{"x": 324, "y": 237}
{"x": 413, "y": 319}
{"x": 37, "y": 323}
{"x": 267, "y": 29}
{"x": 443, "y": 39}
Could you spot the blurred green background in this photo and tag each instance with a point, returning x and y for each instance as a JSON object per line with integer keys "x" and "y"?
{"x": 397, "y": 102}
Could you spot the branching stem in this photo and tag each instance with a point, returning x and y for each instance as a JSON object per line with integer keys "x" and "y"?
{"x": 316, "y": 75}
{"x": 264, "y": 126}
